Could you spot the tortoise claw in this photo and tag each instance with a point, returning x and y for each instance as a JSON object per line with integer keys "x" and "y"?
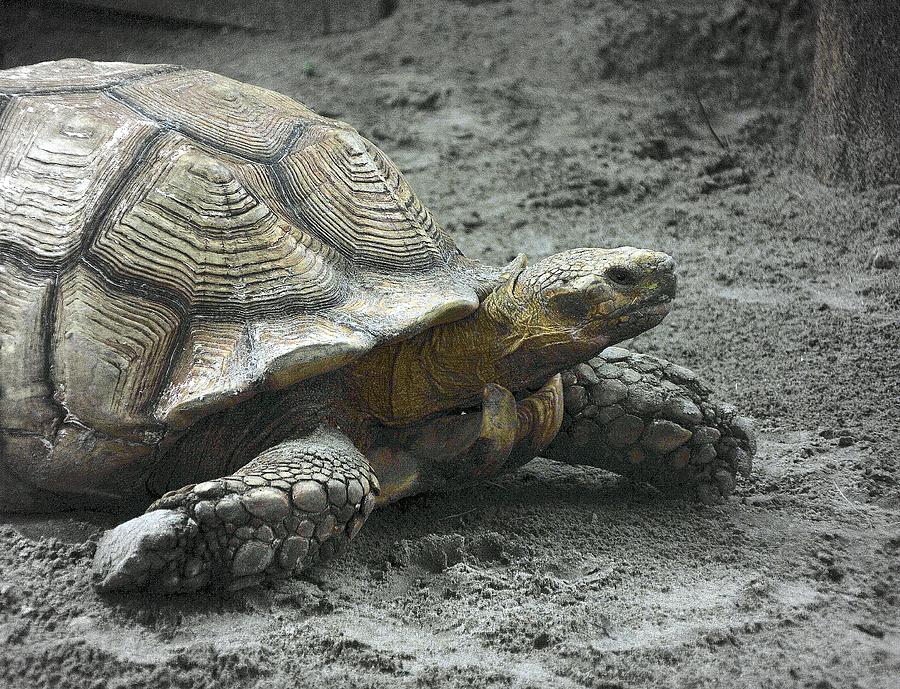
{"x": 150, "y": 551}
{"x": 497, "y": 434}
{"x": 541, "y": 416}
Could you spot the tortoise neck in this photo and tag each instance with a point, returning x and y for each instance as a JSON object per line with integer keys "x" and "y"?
{"x": 445, "y": 367}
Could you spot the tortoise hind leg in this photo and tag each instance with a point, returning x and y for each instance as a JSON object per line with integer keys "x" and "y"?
{"x": 651, "y": 420}
{"x": 298, "y": 502}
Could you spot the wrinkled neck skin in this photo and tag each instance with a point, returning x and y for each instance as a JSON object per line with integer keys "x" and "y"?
{"x": 447, "y": 367}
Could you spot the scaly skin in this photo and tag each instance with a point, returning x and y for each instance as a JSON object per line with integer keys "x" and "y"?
{"x": 297, "y": 502}
{"x": 651, "y": 420}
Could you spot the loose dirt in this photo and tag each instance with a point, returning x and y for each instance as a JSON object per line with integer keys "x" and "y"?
{"x": 534, "y": 126}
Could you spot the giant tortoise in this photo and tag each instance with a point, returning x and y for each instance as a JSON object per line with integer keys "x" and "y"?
{"x": 218, "y": 303}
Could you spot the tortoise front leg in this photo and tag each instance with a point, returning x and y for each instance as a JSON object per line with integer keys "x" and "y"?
{"x": 651, "y": 420}
{"x": 297, "y": 502}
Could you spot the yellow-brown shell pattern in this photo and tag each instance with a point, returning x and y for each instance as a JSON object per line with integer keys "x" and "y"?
{"x": 172, "y": 241}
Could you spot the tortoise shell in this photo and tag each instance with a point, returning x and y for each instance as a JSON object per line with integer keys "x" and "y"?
{"x": 173, "y": 241}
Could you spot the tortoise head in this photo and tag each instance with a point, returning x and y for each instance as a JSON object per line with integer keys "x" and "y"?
{"x": 569, "y": 306}
{"x": 532, "y": 322}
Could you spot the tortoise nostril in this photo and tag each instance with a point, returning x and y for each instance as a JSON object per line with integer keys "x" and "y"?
{"x": 621, "y": 275}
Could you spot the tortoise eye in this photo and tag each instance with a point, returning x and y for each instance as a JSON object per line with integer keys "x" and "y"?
{"x": 621, "y": 275}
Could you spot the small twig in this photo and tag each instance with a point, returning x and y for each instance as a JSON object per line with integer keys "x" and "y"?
{"x": 723, "y": 144}
{"x": 846, "y": 499}
{"x": 519, "y": 518}
{"x": 451, "y": 516}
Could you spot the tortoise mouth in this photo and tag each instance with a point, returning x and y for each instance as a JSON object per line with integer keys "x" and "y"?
{"x": 628, "y": 321}
{"x": 659, "y": 303}
{"x": 656, "y": 309}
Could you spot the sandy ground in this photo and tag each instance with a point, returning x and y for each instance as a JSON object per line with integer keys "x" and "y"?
{"x": 532, "y": 126}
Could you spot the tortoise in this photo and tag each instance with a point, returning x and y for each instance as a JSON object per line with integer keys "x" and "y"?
{"x": 218, "y": 303}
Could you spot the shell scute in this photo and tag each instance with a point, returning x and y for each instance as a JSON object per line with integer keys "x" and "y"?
{"x": 25, "y": 310}
{"x": 189, "y": 227}
{"x": 73, "y": 74}
{"x": 59, "y": 159}
{"x": 346, "y": 190}
{"x": 239, "y": 119}
{"x": 110, "y": 353}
